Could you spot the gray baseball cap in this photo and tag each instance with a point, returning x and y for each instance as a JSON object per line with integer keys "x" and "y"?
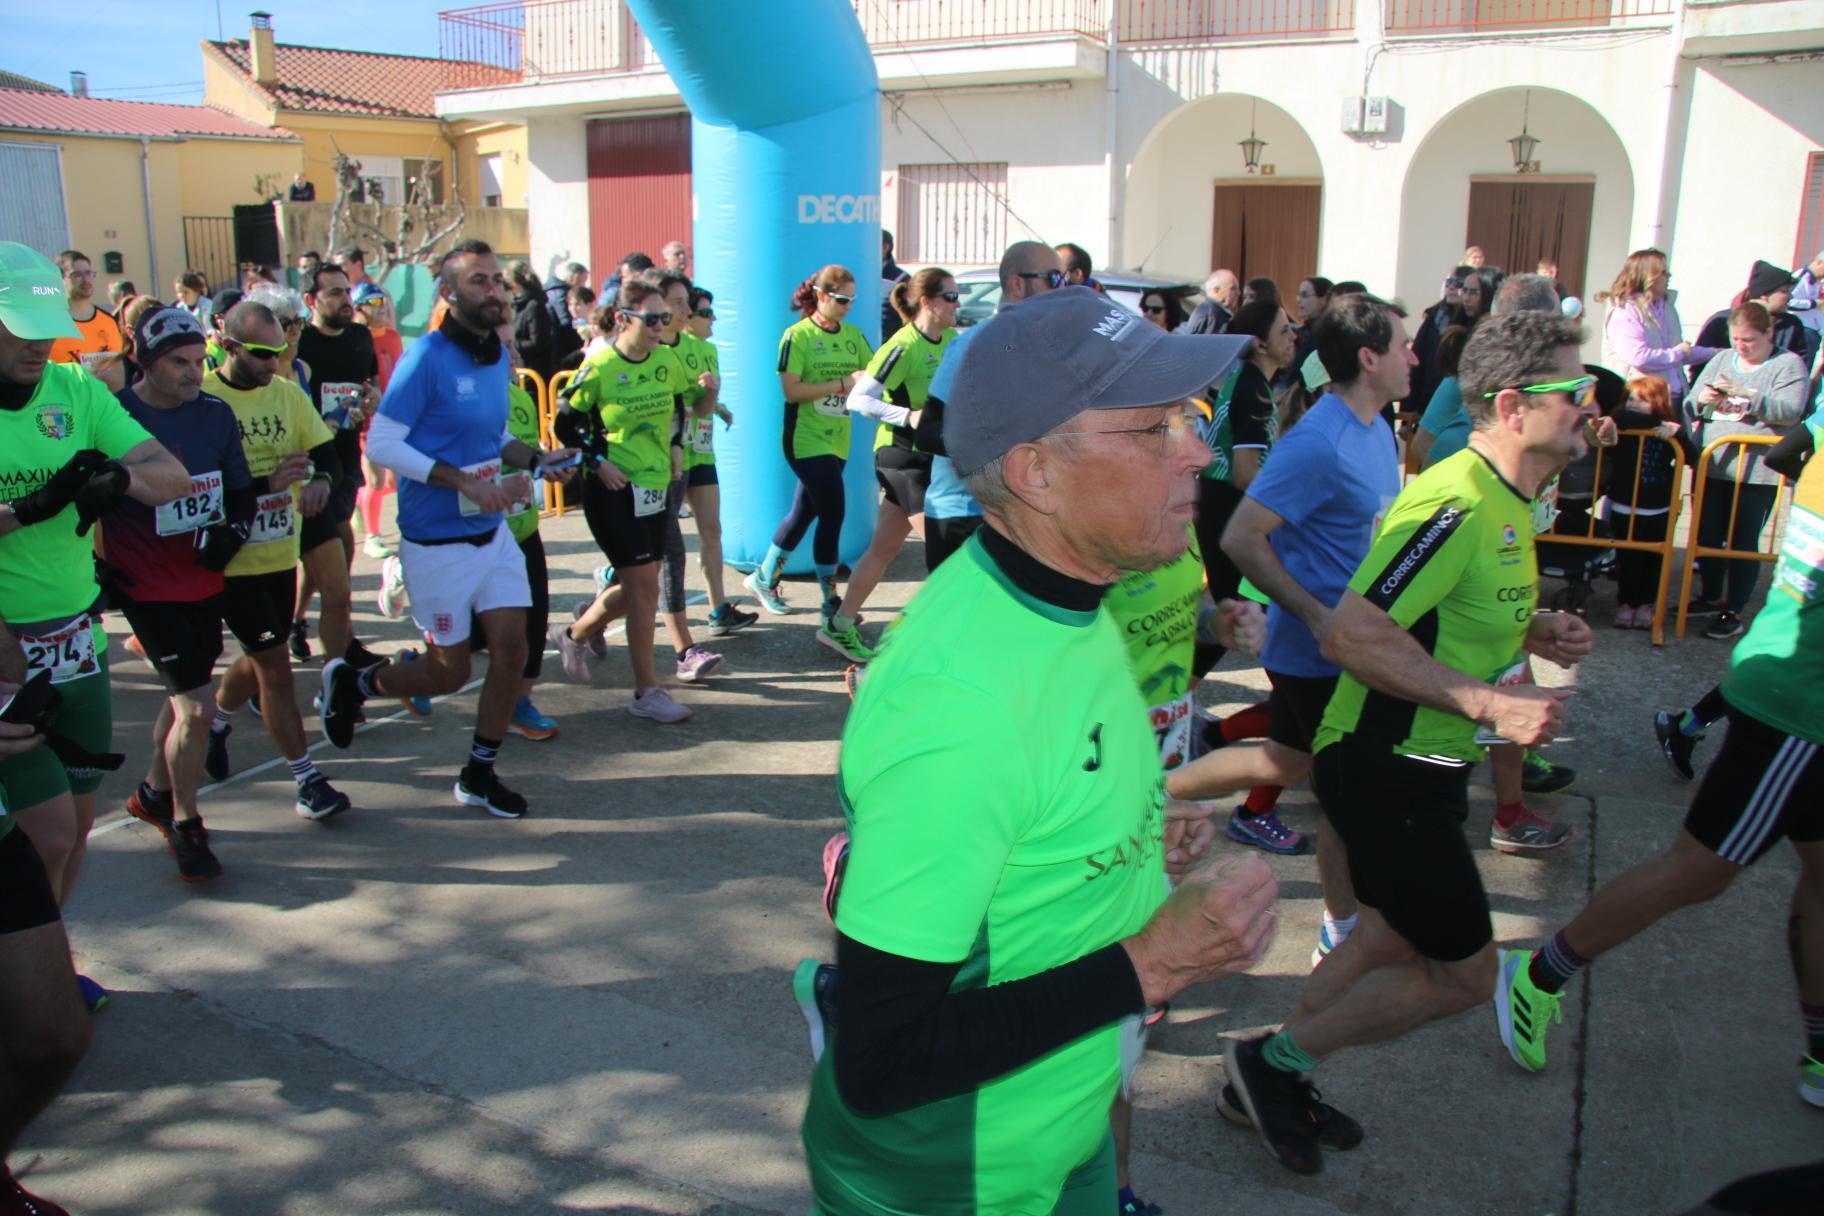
{"x": 1039, "y": 364}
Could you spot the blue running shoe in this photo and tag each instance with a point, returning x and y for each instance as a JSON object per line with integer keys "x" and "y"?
{"x": 1266, "y": 832}
{"x": 529, "y": 723}
{"x": 94, "y": 996}
{"x": 604, "y": 575}
{"x": 420, "y": 706}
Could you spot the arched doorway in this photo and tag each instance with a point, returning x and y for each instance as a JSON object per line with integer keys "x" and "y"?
{"x": 1193, "y": 207}
{"x": 1461, "y": 189}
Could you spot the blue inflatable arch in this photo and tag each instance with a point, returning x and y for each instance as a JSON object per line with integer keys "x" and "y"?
{"x": 785, "y": 170}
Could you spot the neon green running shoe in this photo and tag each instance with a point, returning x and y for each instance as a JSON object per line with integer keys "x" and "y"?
{"x": 1811, "y": 1081}
{"x": 1523, "y": 1011}
{"x": 840, "y": 634}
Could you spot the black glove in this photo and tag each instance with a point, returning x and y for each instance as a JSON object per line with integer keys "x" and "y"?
{"x": 101, "y": 494}
{"x": 49, "y": 499}
{"x": 217, "y": 544}
{"x": 79, "y": 762}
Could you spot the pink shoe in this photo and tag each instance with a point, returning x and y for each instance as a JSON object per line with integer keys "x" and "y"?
{"x": 835, "y": 862}
{"x": 1624, "y": 616}
{"x": 656, "y": 703}
{"x": 1643, "y": 617}
{"x": 698, "y": 663}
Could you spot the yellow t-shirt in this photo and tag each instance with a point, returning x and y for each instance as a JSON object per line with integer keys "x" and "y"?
{"x": 274, "y": 421}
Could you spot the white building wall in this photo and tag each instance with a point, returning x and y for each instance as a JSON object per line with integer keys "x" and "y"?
{"x": 557, "y": 191}
{"x": 1752, "y": 126}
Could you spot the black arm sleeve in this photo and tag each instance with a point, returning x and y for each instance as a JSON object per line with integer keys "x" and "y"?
{"x": 1789, "y": 456}
{"x": 928, "y": 436}
{"x": 324, "y": 457}
{"x": 904, "y": 1039}
{"x": 237, "y": 506}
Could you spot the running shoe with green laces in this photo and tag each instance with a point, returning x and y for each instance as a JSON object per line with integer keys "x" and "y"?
{"x": 1811, "y": 1081}
{"x": 1523, "y": 1011}
{"x": 841, "y": 635}
{"x": 1540, "y": 776}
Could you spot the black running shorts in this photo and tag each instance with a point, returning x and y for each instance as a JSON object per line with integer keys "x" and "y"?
{"x": 904, "y": 476}
{"x": 26, "y": 901}
{"x": 1763, "y": 784}
{"x": 1295, "y": 708}
{"x": 326, "y": 524}
{"x": 257, "y": 608}
{"x": 1401, "y": 819}
{"x": 625, "y": 539}
{"x": 182, "y": 641}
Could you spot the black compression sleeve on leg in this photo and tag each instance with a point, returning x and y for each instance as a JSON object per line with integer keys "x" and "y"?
{"x": 1712, "y": 707}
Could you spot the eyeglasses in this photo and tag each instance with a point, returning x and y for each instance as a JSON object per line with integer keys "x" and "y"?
{"x": 1453, "y": 281}
{"x": 839, "y": 297}
{"x": 291, "y": 322}
{"x": 650, "y": 318}
{"x": 82, "y": 274}
{"x": 1149, "y": 309}
{"x": 255, "y": 349}
{"x": 1164, "y": 434}
{"x": 950, "y": 296}
{"x": 1582, "y": 390}
{"x": 708, "y": 314}
{"x": 1053, "y": 279}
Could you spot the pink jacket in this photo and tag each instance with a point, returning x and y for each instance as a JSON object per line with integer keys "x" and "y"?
{"x": 1640, "y": 341}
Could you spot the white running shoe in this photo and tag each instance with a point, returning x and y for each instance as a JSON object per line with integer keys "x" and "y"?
{"x": 656, "y": 703}
{"x": 394, "y": 603}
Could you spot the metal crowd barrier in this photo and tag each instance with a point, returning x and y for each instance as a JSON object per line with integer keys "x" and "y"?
{"x": 1694, "y": 551}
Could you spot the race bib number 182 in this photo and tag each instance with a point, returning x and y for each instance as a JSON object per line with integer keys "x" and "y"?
{"x": 200, "y": 508}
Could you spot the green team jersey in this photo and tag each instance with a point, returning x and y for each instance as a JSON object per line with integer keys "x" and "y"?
{"x": 1156, "y": 613}
{"x": 904, "y": 366}
{"x": 1453, "y": 565}
{"x": 1242, "y": 416}
{"x": 699, "y": 356}
{"x": 522, "y": 424}
{"x": 1777, "y": 671}
{"x": 1005, "y": 809}
{"x": 639, "y": 404}
{"x": 47, "y": 572}
{"x": 817, "y": 356}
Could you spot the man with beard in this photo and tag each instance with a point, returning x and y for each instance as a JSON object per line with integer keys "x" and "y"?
{"x": 442, "y": 428}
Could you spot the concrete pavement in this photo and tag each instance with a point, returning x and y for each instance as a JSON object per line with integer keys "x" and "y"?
{"x": 415, "y": 1008}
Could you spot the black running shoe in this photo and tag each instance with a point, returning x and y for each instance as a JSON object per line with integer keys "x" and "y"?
{"x": 318, "y": 799}
{"x": 1727, "y": 625}
{"x": 145, "y": 805}
{"x": 189, "y": 845}
{"x": 1674, "y": 744}
{"x": 476, "y": 786}
{"x": 340, "y": 702}
{"x": 215, "y": 759}
{"x": 360, "y": 657}
{"x": 1540, "y": 776}
{"x": 1277, "y": 1103}
{"x": 300, "y": 641}
{"x": 1334, "y": 1129}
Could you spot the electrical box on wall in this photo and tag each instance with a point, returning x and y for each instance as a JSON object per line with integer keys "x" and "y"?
{"x": 1374, "y": 116}
{"x": 113, "y": 263}
{"x": 1352, "y": 115}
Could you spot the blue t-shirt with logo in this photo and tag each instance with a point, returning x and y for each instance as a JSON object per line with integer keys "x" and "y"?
{"x": 456, "y": 410}
{"x": 947, "y": 497}
{"x": 1331, "y": 479}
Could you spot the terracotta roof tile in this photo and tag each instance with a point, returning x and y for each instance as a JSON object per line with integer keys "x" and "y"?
{"x": 31, "y": 110}
{"x": 322, "y": 80}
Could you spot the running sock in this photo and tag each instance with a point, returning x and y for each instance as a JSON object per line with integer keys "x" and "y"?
{"x": 771, "y": 564}
{"x": 1709, "y": 708}
{"x": 1338, "y": 929}
{"x": 483, "y": 753}
{"x": 1690, "y": 725}
{"x": 224, "y": 718}
{"x": 1282, "y": 1053}
{"x": 1261, "y": 801}
{"x": 1553, "y": 967}
{"x": 148, "y": 794}
{"x": 366, "y": 679}
{"x": 303, "y": 771}
{"x": 1814, "y": 1029}
{"x": 1507, "y": 816}
{"x": 1249, "y": 723}
{"x": 1128, "y": 1200}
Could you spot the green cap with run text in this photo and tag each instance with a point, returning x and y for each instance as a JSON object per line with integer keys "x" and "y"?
{"x": 32, "y": 305}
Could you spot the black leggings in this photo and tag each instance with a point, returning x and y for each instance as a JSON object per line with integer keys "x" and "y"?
{"x": 1636, "y": 570}
{"x": 1216, "y": 502}
{"x": 671, "y": 566}
{"x": 1732, "y": 579}
{"x": 819, "y": 497}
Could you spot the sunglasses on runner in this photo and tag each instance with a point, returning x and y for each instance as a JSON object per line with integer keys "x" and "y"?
{"x": 950, "y": 296}
{"x": 1152, "y": 308}
{"x": 650, "y": 318}
{"x": 255, "y": 349}
{"x": 1582, "y": 390}
{"x": 1053, "y": 278}
{"x": 708, "y": 314}
{"x": 839, "y": 297}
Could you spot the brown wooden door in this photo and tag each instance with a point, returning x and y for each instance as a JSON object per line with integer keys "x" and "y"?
{"x": 1267, "y": 231}
{"x": 639, "y": 188}
{"x": 1520, "y": 221}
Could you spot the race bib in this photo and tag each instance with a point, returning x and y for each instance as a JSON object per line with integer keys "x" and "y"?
{"x": 1545, "y": 508}
{"x": 1515, "y": 674}
{"x": 1731, "y": 409}
{"x": 647, "y": 502}
{"x": 200, "y": 508}
{"x": 273, "y": 519}
{"x": 703, "y": 436}
{"x": 1172, "y": 728}
{"x": 339, "y": 398}
{"x": 496, "y": 472}
{"x": 68, "y": 654}
{"x": 836, "y": 405}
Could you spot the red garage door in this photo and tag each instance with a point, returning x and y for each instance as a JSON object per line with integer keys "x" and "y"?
{"x": 639, "y": 188}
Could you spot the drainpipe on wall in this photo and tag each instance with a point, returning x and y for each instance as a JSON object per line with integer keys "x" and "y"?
{"x": 1672, "y": 141}
{"x": 1111, "y": 156}
{"x": 145, "y": 175}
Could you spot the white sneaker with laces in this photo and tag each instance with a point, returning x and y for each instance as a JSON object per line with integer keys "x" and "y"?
{"x": 656, "y": 703}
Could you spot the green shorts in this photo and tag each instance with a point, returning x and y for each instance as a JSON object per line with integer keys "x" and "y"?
{"x": 84, "y": 716}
